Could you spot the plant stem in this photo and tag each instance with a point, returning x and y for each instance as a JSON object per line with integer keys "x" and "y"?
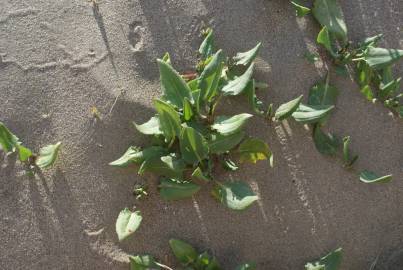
{"x": 163, "y": 266}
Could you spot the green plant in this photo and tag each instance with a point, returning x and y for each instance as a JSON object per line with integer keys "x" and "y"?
{"x": 186, "y": 255}
{"x": 331, "y": 261}
{"x": 10, "y": 143}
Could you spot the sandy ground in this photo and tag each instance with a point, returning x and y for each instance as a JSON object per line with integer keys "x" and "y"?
{"x": 59, "y": 58}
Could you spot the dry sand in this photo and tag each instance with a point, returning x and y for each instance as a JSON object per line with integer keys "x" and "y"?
{"x": 59, "y": 58}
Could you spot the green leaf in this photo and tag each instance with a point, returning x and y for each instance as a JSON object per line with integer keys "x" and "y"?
{"x": 325, "y": 143}
{"x": 300, "y": 10}
{"x": 389, "y": 89}
{"x": 127, "y": 223}
{"x": 164, "y": 166}
{"x": 371, "y": 41}
{"x": 328, "y": 13}
{"x": 367, "y": 92}
{"x": 323, "y": 94}
{"x": 380, "y": 58}
{"x": 171, "y": 189}
{"x": 220, "y": 144}
{"x": 247, "y": 266}
{"x": 184, "y": 252}
{"x": 136, "y": 155}
{"x": 348, "y": 160}
{"x": 246, "y": 58}
{"x": 187, "y": 109}
{"x": 170, "y": 123}
{"x": 47, "y": 155}
{"x": 151, "y": 127}
{"x": 193, "y": 146}
{"x": 198, "y": 173}
{"x": 226, "y": 125}
{"x": 143, "y": 262}
{"x": 254, "y": 102}
{"x": 253, "y": 150}
{"x": 371, "y": 177}
{"x": 311, "y": 114}
{"x": 238, "y": 85}
{"x": 235, "y": 195}
{"x": 331, "y": 261}
{"x": 173, "y": 86}
{"x": 166, "y": 58}
{"x": 207, "y": 262}
{"x": 285, "y": 110}
{"x": 325, "y": 39}
{"x": 207, "y": 47}
{"x": 210, "y": 77}
{"x": 8, "y": 141}
{"x": 23, "y": 152}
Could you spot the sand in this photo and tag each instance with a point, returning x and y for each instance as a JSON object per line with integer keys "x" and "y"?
{"x": 60, "y": 58}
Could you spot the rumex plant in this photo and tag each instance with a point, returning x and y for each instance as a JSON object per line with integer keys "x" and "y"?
{"x": 188, "y": 140}
{"x": 187, "y": 257}
{"x": 10, "y": 143}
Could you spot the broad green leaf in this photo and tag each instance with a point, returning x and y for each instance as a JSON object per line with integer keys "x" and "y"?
{"x": 235, "y": 195}
{"x": 348, "y": 160}
{"x": 371, "y": 177}
{"x": 143, "y": 262}
{"x": 300, "y": 10}
{"x": 220, "y": 144}
{"x": 285, "y": 110}
{"x": 238, "y": 85}
{"x": 127, "y": 223}
{"x": 229, "y": 165}
{"x": 193, "y": 146}
{"x": 210, "y": 77}
{"x": 325, "y": 143}
{"x": 151, "y": 127}
{"x": 173, "y": 86}
{"x": 187, "y": 109}
{"x": 331, "y": 261}
{"x": 23, "y": 152}
{"x": 246, "y": 58}
{"x": 8, "y": 141}
{"x": 198, "y": 173}
{"x": 380, "y": 58}
{"x": 325, "y": 39}
{"x": 170, "y": 123}
{"x": 323, "y": 94}
{"x": 171, "y": 189}
{"x": 47, "y": 155}
{"x": 136, "y": 155}
{"x": 226, "y": 125}
{"x": 311, "y": 114}
{"x": 254, "y": 102}
{"x": 329, "y": 14}
{"x": 184, "y": 252}
{"x": 207, "y": 47}
{"x": 253, "y": 150}
{"x": 367, "y": 92}
{"x": 247, "y": 266}
{"x": 164, "y": 166}
{"x": 193, "y": 85}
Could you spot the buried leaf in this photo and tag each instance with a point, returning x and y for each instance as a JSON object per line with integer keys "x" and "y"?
{"x": 210, "y": 77}
{"x": 143, "y": 262}
{"x": 227, "y": 125}
{"x": 127, "y": 223}
{"x": 253, "y": 150}
{"x": 173, "y": 86}
{"x": 331, "y": 261}
{"x": 300, "y": 10}
{"x": 311, "y": 114}
{"x": 47, "y": 155}
{"x": 371, "y": 177}
{"x": 169, "y": 120}
{"x": 380, "y": 58}
{"x": 348, "y": 160}
{"x": 198, "y": 173}
{"x": 151, "y": 127}
{"x": 184, "y": 252}
{"x": 235, "y": 195}
{"x": 171, "y": 189}
{"x": 286, "y": 109}
{"x": 246, "y": 58}
{"x": 328, "y": 13}
{"x": 164, "y": 166}
{"x": 325, "y": 143}
{"x": 8, "y": 141}
{"x": 193, "y": 146}
{"x": 136, "y": 155}
{"x": 238, "y": 85}
{"x": 220, "y": 144}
